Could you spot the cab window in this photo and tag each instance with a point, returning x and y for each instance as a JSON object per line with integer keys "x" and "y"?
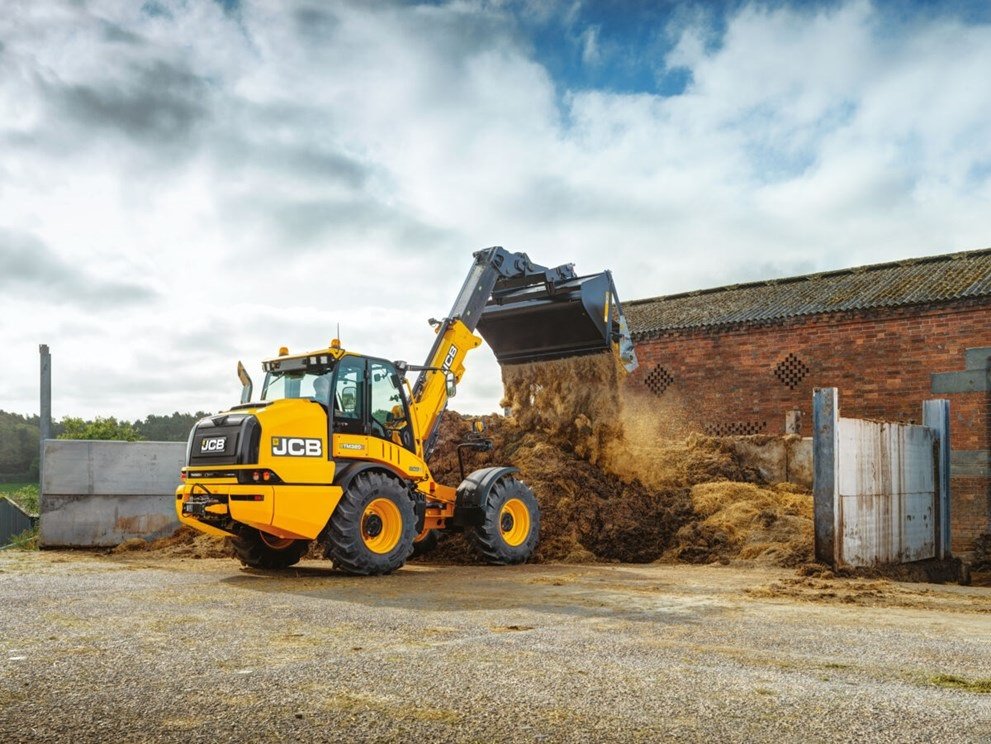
{"x": 349, "y": 396}
{"x": 390, "y": 419}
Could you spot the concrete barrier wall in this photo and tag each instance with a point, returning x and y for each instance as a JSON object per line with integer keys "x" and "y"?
{"x": 786, "y": 459}
{"x": 97, "y": 493}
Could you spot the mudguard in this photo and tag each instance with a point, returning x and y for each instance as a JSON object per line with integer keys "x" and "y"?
{"x": 345, "y": 473}
{"x": 469, "y": 508}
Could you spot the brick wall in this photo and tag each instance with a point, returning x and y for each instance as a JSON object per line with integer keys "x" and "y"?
{"x": 744, "y": 378}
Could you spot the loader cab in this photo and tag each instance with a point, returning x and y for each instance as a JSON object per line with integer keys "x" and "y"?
{"x": 368, "y": 399}
{"x": 361, "y": 395}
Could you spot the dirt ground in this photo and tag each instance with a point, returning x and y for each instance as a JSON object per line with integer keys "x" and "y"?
{"x": 144, "y": 646}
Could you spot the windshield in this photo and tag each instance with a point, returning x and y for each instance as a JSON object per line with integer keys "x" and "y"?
{"x": 297, "y": 384}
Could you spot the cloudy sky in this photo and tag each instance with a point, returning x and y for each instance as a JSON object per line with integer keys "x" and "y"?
{"x": 186, "y": 183}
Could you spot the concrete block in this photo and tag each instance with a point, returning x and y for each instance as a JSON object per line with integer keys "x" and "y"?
{"x": 766, "y": 455}
{"x": 126, "y": 468}
{"x": 88, "y": 520}
{"x": 793, "y": 422}
{"x": 970, "y": 381}
{"x": 785, "y": 459}
{"x": 97, "y": 493}
{"x": 978, "y": 358}
{"x": 799, "y": 461}
{"x": 969, "y": 464}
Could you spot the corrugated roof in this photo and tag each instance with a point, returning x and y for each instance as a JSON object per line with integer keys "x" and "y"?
{"x": 945, "y": 278}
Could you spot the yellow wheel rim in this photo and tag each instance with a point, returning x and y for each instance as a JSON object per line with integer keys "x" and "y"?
{"x": 514, "y": 522}
{"x": 381, "y": 526}
{"x": 424, "y": 533}
{"x": 275, "y": 543}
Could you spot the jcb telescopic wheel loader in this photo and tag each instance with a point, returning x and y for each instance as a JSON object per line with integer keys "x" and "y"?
{"x": 335, "y": 448}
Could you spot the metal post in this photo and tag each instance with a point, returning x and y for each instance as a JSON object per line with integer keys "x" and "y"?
{"x": 825, "y": 449}
{"x": 45, "y": 424}
{"x": 936, "y": 416}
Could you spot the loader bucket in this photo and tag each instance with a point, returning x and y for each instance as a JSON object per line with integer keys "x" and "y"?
{"x": 572, "y": 318}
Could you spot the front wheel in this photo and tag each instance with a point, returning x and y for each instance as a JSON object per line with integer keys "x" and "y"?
{"x": 258, "y": 549}
{"x": 511, "y": 528}
{"x": 373, "y": 526}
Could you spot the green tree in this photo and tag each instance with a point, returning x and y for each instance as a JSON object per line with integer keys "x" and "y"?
{"x": 18, "y": 446}
{"x": 98, "y": 428}
{"x": 174, "y": 428}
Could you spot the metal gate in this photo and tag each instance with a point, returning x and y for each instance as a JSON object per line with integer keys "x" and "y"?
{"x": 13, "y": 520}
{"x": 881, "y": 489}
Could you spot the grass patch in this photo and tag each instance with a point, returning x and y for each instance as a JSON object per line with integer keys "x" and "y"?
{"x": 959, "y": 683}
{"x": 25, "y": 495}
{"x": 8, "y": 487}
{"x": 27, "y": 540}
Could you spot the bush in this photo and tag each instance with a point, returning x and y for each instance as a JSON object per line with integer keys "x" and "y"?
{"x": 100, "y": 428}
{"x": 25, "y": 496}
{"x": 27, "y": 540}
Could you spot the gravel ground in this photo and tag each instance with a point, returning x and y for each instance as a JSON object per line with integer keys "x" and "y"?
{"x": 145, "y": 648}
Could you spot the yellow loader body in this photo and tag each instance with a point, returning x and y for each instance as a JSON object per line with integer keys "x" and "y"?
{"x": 336, "y": 448}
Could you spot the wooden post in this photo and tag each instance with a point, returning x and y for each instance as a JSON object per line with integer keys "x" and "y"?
{"x": 936, "y": 416}
{"x": 825, "y": 449}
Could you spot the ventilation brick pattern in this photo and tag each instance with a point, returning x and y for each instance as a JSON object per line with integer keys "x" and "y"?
{"x": 735, "y": 428}
{"x": 658, "y": 380}
{"x": 791, "y": 371}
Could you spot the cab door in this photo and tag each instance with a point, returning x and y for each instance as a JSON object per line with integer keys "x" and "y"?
{"x": 349, "y": 393}
{"x": 388, "y": 412}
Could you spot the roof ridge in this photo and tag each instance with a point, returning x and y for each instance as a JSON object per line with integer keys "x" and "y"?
{"x": 863, "y": 269}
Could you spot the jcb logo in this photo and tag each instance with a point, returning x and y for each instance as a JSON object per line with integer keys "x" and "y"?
{"x": 451, "y": 353}
{"x": 296, "y": 447}
{"x": 213, "y": 444}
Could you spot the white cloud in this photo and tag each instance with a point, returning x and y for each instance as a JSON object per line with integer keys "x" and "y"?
{"x": 255, "y": 177}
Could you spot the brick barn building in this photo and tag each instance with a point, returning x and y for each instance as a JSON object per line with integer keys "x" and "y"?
{"x": 889, "y": 336}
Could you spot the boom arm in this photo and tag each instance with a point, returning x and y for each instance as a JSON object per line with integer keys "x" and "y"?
{"x": 527, "y": 313}
{"x": 494, "y": 268}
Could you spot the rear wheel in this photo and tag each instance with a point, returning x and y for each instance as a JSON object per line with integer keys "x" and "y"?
{"x": 425, "y": 542}
{"x": 511, "y": 528}
{"x": 373, "y": 527}
{"x": 262, "y": 550}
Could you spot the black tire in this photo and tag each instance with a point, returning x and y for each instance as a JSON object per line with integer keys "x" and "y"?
{"x": 489, "y": 540}
{"x": 258, "y": 550}
{"x": 354, "y": 535}
{"x": 425, "y": 544}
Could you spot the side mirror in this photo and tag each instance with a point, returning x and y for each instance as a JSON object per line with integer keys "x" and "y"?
{"x": 246, "y": 385}
{"x": 452, "y": 385}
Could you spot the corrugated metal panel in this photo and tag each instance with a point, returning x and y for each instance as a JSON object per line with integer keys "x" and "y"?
{"x": 13, "y": 521}
{"x": 887, "y": 492}
{"x": 955, "y": 276}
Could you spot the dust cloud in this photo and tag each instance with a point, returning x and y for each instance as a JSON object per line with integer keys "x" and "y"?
{"x": 621, "y": 478}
